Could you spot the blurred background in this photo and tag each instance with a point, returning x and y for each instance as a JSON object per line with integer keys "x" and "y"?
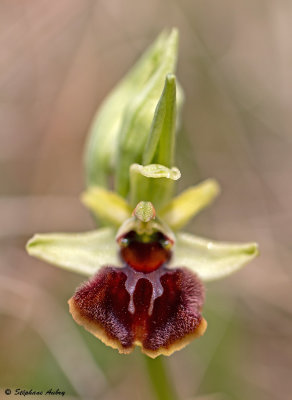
{"x": 58, "y": 60}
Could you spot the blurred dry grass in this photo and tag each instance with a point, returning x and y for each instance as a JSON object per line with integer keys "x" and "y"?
{"x": 57, "y": 62}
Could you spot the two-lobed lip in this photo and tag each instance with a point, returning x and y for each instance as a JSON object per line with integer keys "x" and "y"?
{"x": 160, "y": 326}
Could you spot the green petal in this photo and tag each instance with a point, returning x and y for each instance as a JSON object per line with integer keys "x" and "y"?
{"x": 106, "y": 205}
{"x": 152, "y": 183}
{"x": 83, "y": 253}
{"x": 211, "y": 260}
{"x": 186, "y": 205}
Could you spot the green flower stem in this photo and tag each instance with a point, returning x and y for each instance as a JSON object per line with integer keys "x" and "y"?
{"x": 160, "y": 380}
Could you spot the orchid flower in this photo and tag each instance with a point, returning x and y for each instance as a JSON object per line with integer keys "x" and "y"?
{"x": 145, "y": 275}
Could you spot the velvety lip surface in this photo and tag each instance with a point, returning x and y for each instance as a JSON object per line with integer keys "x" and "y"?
{"x": 102, "y": 306}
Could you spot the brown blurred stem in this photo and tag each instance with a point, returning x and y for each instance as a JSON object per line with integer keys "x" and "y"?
{"x": 160, "y": 380}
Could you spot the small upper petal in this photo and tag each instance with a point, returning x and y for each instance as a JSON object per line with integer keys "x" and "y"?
{"x": 179, "y": 211}
{"x": 106, "y": 205}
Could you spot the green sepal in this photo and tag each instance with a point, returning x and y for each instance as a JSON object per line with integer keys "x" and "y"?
{"x": 154, "y": 183}
{"x": 211, "y": 260}
{"x": 83, "y": 253}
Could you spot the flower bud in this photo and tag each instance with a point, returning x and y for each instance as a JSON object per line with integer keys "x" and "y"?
{"x": 120, "y": 128}
{"x": 138, "y": 118}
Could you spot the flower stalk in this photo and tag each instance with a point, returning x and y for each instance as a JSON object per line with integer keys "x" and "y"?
{"x": 160, "y": 380}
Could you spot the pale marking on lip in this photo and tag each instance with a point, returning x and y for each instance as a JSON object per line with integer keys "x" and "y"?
{"x": 153, "y": 277}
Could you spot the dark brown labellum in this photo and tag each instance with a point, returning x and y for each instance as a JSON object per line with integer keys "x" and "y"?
{"x": 159, "y": 311}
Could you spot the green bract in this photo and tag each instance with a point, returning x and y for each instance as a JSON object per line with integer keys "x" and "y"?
{"x": 112, "y": 144}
